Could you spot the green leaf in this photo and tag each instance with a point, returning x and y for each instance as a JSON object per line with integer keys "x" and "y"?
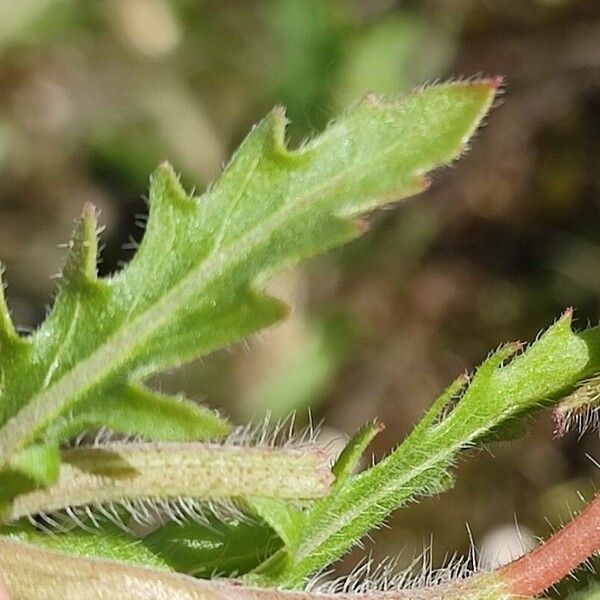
{"x": 193, "y": 285}
{"x": 284, "y": 519}
{"x": 421, "y": 465}
{"x": 34, "y": 466}
{"x": 290, "y": 522}
{"x": 106, "y": 542}
{"x": 350, "y": 456}
{"x": 136, "y": 409}
{"x": 38, "y": 462}
{"x": 214, "y": 549}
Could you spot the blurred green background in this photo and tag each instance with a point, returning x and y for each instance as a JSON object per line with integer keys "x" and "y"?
{"x": 94, "y": 94}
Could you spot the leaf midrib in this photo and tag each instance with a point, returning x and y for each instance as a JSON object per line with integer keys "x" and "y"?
{"x": 48, "y": 404}
{"x": 44, "y": 406}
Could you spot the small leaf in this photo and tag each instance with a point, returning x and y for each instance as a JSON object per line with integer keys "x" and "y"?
{"x": 421, "y": 465}
{"x": 33, "y": 467}
{"x": 350, "y": 456}
{"x": 435, "y": 413}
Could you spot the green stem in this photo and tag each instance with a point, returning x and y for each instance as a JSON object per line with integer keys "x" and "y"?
{"x": 121, "y": 471}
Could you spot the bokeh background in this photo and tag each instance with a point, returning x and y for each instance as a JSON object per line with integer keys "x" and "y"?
{"x": 94, "y": 94}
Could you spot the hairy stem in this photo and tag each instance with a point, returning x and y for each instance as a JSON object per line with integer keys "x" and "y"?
{"x": 554, "y": 559}
{"x": 35, "y": 574}
{"x": 120, "y": 471}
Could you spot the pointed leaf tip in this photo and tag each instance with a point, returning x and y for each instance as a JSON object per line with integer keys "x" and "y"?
{"x": 7, "y": 330}
{"x": 279, "y": 127}
{"x": 275, "y": 124}
{"x": 80, "y": 265}
{"x": 166, "y": 188}
{"x": 352, "y": 454}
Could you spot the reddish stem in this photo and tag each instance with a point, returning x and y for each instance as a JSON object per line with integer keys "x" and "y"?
{"x": 554, "y": 559}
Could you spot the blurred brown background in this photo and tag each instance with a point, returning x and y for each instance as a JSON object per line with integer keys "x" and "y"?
{"x": 94, "y": 94}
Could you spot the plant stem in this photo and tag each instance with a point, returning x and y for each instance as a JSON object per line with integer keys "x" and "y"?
{"x": 3, "y": 591}
{"x": 33, "y": 573}
{"x": 117, "y": 472}
{"x": 554, "y": 559}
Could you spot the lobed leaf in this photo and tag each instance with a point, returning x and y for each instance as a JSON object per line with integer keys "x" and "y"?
{"x": 194, "y": 284}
